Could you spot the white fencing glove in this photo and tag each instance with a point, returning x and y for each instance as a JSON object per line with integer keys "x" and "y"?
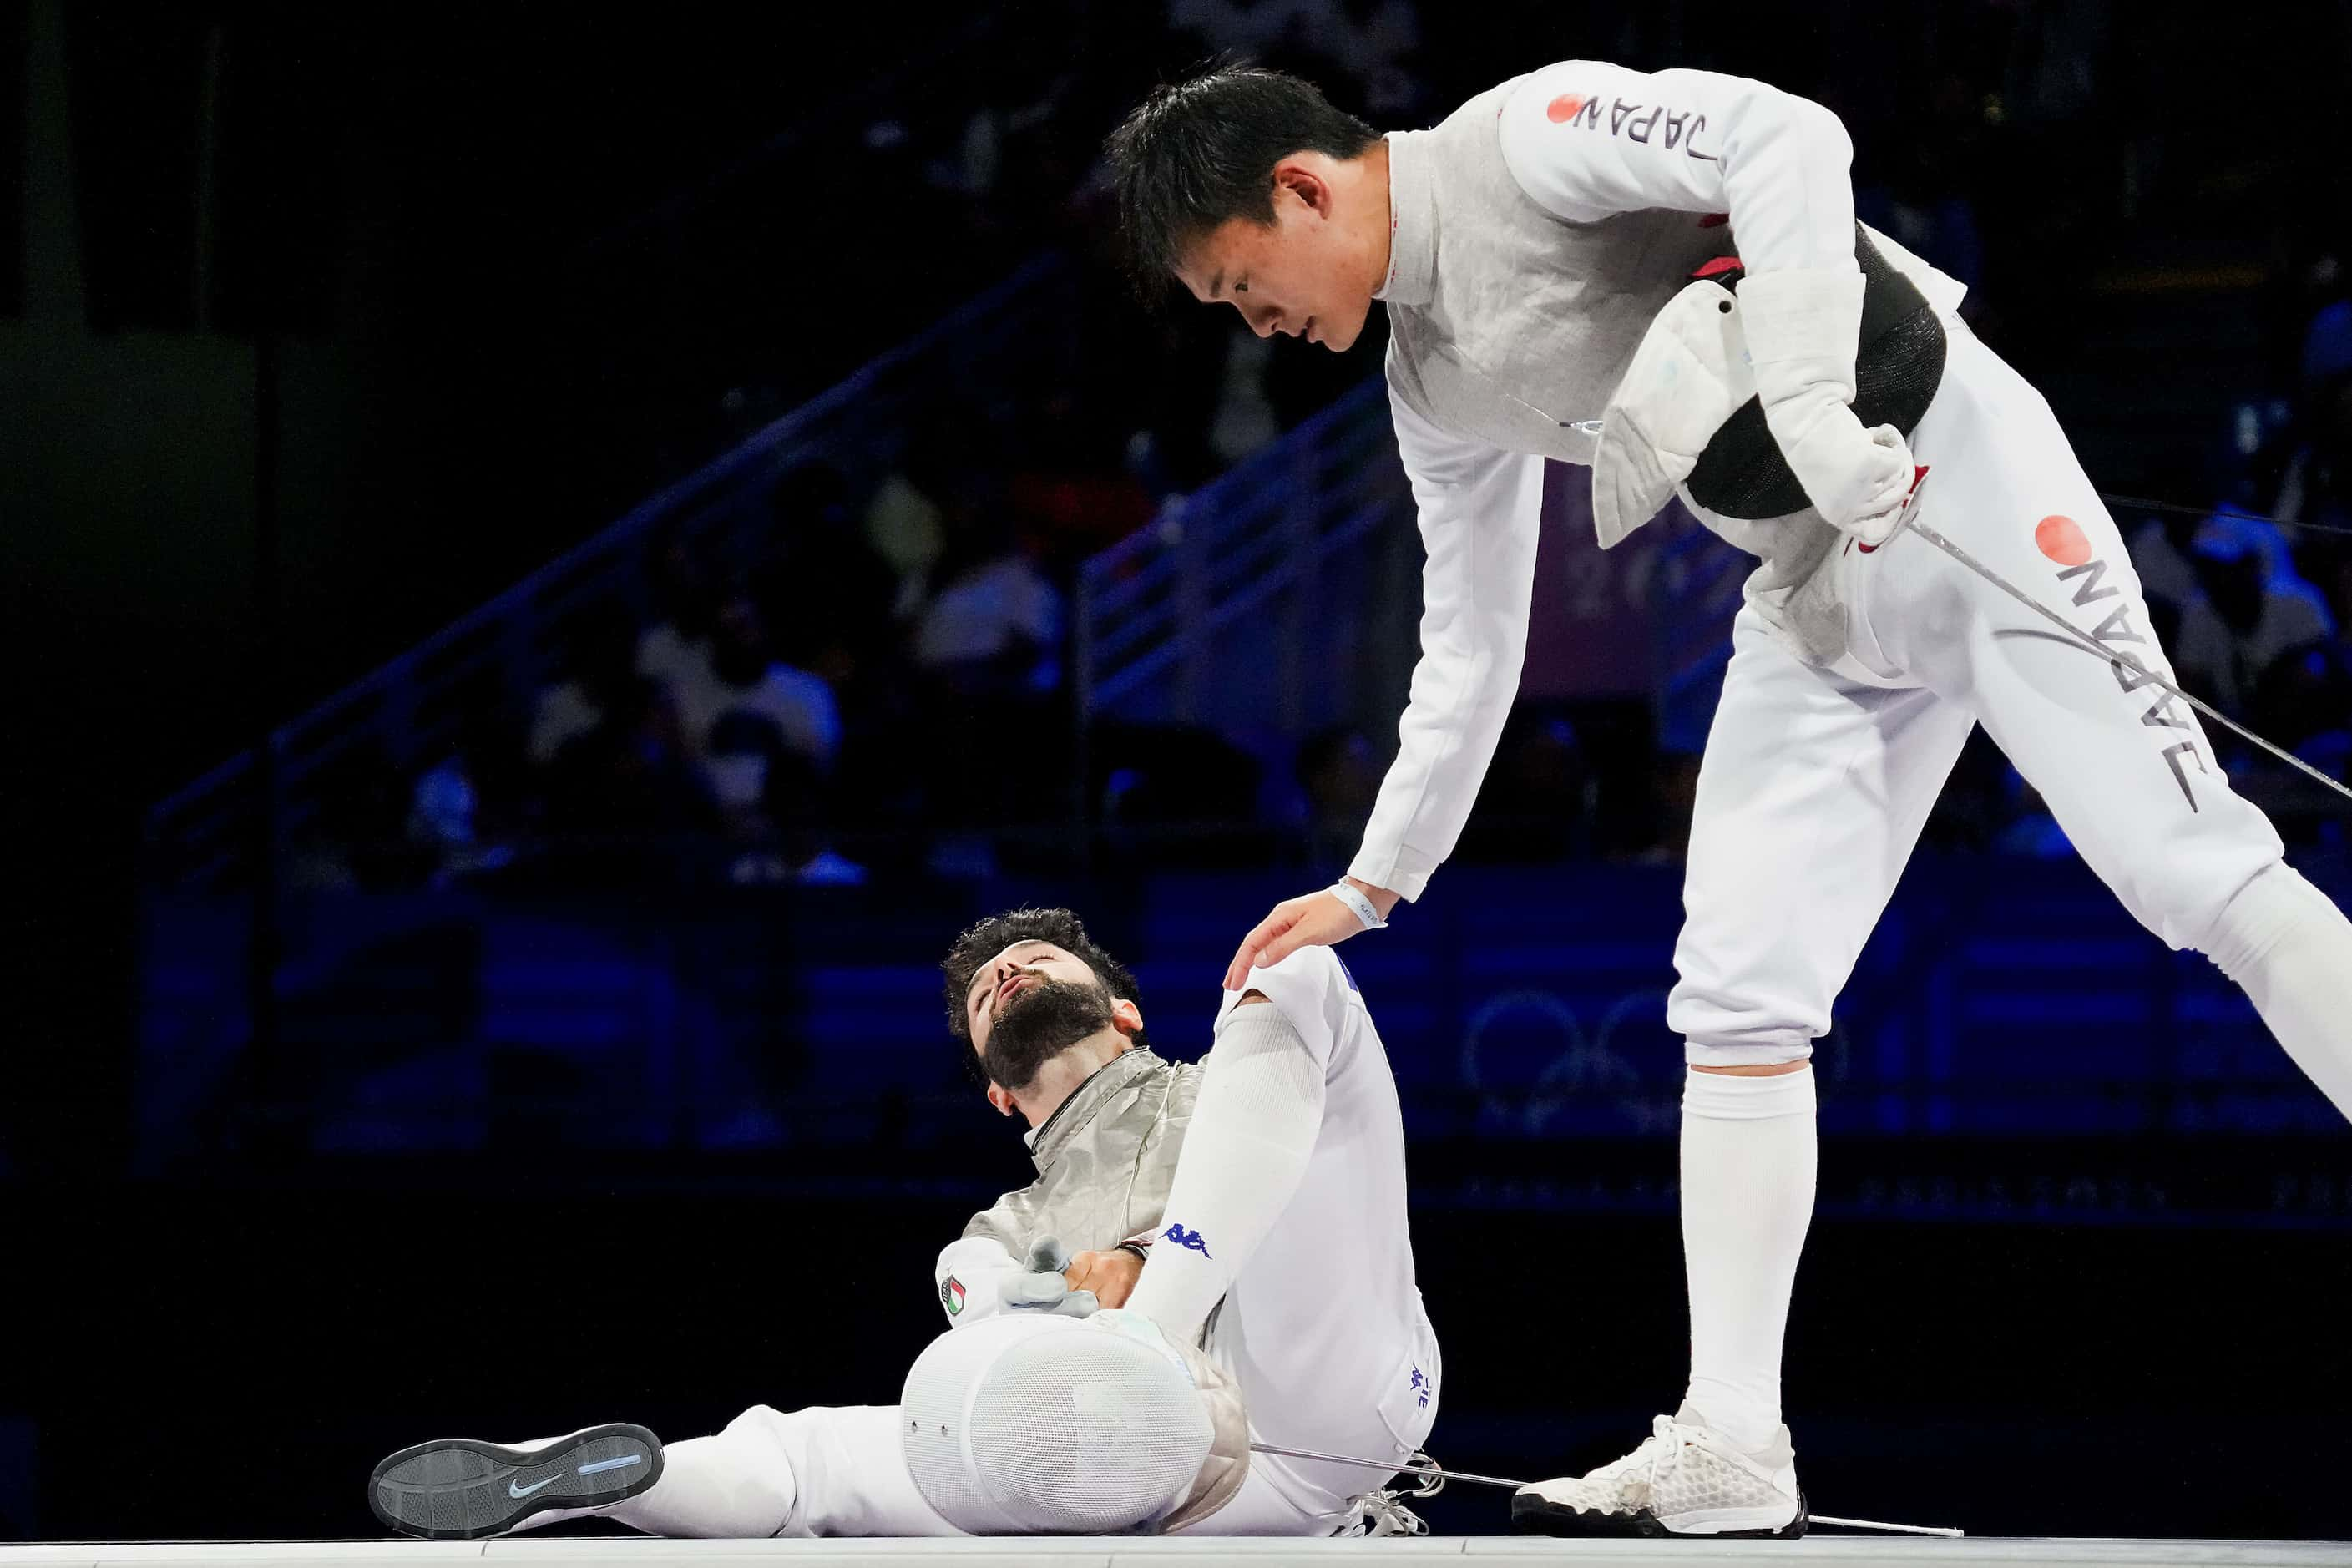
{"x": 1803, "y": 328}
{"x": 1040, "y": 1286}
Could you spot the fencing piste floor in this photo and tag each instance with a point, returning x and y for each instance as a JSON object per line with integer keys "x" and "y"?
{"x": 1064, "y": 1552}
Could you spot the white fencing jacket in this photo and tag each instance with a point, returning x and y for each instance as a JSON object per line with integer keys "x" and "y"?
{"x": 1537, "y": 233}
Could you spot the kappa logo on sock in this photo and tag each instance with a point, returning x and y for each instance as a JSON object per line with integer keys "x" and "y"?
{"x": 1188, "y": 1239}
{"x": 951, "y": 1295}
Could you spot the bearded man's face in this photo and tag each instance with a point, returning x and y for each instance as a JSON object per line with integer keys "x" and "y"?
{"x": 1030, "y": 1004}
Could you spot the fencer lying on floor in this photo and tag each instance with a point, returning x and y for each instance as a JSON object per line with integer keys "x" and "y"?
{"x": 1239, "y": 1269}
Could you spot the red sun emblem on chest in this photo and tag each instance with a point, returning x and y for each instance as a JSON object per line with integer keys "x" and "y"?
{"x": 1563, "y": 108}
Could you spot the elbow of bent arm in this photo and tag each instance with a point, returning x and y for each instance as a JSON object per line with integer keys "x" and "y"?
{"x": 1820, "y": 130}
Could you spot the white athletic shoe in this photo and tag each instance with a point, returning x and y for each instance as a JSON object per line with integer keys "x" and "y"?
{"x": 1687, "y": 1480}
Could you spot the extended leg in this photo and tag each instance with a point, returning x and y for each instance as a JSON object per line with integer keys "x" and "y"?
{"x": 2125, "y": 765}
{"x": 824, "y": 1471}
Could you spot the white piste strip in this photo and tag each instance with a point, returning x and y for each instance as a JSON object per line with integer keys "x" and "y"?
{"x": 1095, "y": 1551}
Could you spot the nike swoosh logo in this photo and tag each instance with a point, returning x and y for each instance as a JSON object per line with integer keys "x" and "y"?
{"x": 514, "y": 1490}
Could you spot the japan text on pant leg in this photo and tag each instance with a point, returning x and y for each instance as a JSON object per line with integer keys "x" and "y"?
{"x": 2128, "y": 770}
{"x": 2125, "y": 765}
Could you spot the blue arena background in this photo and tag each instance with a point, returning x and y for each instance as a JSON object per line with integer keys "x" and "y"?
{"x": 1523, "y": 1008}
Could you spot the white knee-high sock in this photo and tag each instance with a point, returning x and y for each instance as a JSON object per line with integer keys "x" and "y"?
{"x": 1748, "y": 1158}
{"x": 2289, "y": 950}
{"x": 1252, "y": 1133}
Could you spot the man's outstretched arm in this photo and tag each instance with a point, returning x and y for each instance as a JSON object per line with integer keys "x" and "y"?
{"x": 1481, "y": 512}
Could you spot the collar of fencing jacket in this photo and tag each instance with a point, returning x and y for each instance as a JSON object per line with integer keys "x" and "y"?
{"x": 1413, "y": 226}
{"x": 1085, "y": 1102}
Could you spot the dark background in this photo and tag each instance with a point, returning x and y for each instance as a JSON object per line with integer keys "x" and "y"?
{"x": 461, "y": 287}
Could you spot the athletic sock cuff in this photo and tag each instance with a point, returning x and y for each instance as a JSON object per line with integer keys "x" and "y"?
{"x": 1731, "y": 1096}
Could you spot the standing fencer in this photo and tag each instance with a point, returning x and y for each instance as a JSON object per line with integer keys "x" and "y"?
{"x": 1249, "y": 1210}
{"x": 1661, "y": 275}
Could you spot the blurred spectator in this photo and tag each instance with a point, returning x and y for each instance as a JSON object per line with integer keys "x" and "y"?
{"x": 444, "y": 823}
{"x": 995, "y": 629}
{"x": 2165, "y": 553}
{"x": 675, "y": 649}
{"x": 621, "y": 798}
{"x": 2303, "y": 700}
{"x": 1244, "y": 419}
{"x": 2316, "y": 489}
{"x": 2231, "y": 530}
{"x": 2243, "y": 618}
{"x": 2160, "y": 549}
{"x": 741, "y": 750}
{"x": 742, "y": 675}
{"x": 906, "y": 532}
{"x": 1071, "y": 486}
{"x": 470, "y": 803}
{"x": 355, "y": 840}
{"x": 784, "y": 839}
{"x": 600, "y": 656}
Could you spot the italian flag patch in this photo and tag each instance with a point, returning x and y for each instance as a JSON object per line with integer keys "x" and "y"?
{"x": 951, "y": 1295}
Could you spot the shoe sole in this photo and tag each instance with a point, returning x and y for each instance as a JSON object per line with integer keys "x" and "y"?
{"x": 1540, "y": 1516}
{"x": 458, "y": 1489}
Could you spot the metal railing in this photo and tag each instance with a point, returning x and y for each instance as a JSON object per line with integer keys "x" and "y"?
{"x": 1162, "y": 614}
{"x": 1247, "y": 596}
{"x": 204, "y": 833}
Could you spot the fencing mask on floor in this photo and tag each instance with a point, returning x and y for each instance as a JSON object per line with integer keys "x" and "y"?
{"x": 1052, "y": 1426}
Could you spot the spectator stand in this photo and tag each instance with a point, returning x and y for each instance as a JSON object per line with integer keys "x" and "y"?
{"x": 203, "y": 835}
{"x": 1280, "y": 602}
{"x": 1277, "y": 599}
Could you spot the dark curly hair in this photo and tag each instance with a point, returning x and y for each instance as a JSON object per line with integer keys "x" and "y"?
{"x": 997, "y": 932}
{"x": 1199, "y": 152}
